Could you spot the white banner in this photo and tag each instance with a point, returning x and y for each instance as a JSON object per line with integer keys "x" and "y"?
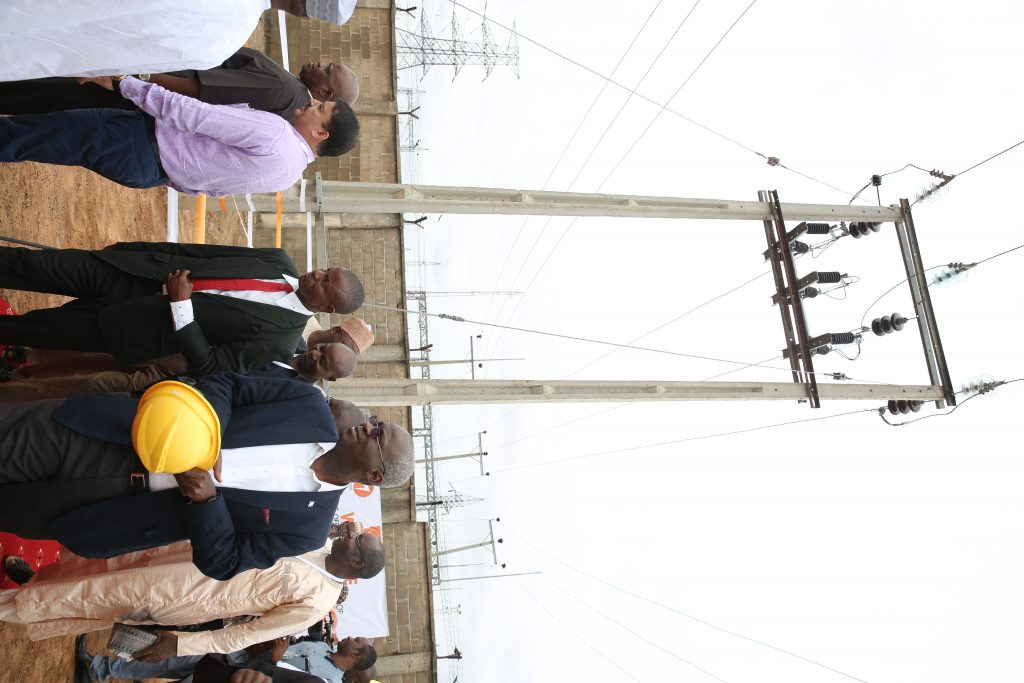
{"x": 365, "y": 611}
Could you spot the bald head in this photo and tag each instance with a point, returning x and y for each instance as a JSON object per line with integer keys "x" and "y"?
{"x": 346, "y": 414}
{"x": 330, "y": 81}
{"x": 325, "y": 361}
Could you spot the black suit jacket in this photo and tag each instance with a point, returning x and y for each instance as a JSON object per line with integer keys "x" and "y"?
{"x": 228, "y": 333}
{"x": 247, "y": 76}
{"x": 240, "y": 529}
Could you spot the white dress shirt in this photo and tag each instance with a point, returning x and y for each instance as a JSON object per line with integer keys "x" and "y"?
{"x": 284, "y": 467}
{"x": 182, "y": 314}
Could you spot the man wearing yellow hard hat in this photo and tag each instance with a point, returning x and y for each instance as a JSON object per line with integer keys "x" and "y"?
{"x": 68, "y": 470}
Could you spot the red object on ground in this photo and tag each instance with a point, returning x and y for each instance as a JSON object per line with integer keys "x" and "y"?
{"x": 36, "y": 553}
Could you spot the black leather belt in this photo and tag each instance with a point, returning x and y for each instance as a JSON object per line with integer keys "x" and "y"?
{"x": 151, "y": 127}
{"x": 138, "y": 482}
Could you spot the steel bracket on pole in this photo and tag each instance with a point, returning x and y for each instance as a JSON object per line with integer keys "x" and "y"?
{"x": 935, "y": 358}
{"x": 787, "y": 294}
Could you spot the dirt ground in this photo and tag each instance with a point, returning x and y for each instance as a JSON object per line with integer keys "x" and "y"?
{"x": 73, "y": 208}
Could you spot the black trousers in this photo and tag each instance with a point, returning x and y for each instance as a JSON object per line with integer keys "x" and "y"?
{"x": 70, "y": 272}
{"x": 47, "y": 470}
{"x": 45, "y": 95}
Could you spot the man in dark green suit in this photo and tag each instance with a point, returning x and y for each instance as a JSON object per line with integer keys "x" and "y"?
{"x": 135, "y": 301}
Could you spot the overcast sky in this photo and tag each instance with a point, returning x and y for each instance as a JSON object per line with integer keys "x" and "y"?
{"x": 888, "y": 554}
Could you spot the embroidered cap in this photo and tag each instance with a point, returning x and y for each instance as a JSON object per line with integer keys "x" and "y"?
{"x": 331, "y": 11}
{"x": 360, "y": 331}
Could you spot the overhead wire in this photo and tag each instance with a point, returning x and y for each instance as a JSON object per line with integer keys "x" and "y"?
{"x": 670, "y": 322}
{"x": 881, "y": 411}
{"x": 985, "y": 161}
{"x": 662, "y": 108}
{"x": 618, "y": 623}
{"x": 565, "y": 149}
{"x": 651, "y": 100}
{"x": 673, "y": 442}
{"x": 593, "y": 149}
{"x": 602, "y": 357}
{"x": 573, "y": 632}
{"x": 886, "y": 292}
{"x": 662, "y": 605}
{"x": 446, "y": 316}
{"x": 948, "y": 179}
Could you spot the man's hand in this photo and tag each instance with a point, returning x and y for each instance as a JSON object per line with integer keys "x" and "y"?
{"x": 278, "y": 649}
{"x": 196, "y": 485}
{"x": 179, "y": 287}
{"x": 102, "y": 81}
{"x": 250, "y": 676}
{"x": 166, "y": 645}
{"x": 217, "y": 467}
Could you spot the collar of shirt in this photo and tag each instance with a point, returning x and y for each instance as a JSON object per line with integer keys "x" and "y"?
{"x": 291, "y": 301}
{"x": 317, "y": 559}
{"x": 325, "y": 486}
{"x": 286, "y": 366}
{"x": 257, "y": 469}
{"x": 306, "y": 149}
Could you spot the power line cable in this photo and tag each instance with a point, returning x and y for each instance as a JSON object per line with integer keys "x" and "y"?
{"x": 632, "y": 341}
{"x": 661, "y": 110}
{"x": 881, "y": 411}
{"x": 579, "y": 171}
{"x": 573, "y": 632}
{"x": 579, "y": 127}
{"x": 459, "y": 319}
{"x": 625, "y": 628}
{"x": 652, "y": 101}
{"x": 673, "y": 442}
{"x": 985, "y": 161}
{"x": 886, "y": 292}
{"x": 673, "y": 320}
{"x": 680, "y": 612}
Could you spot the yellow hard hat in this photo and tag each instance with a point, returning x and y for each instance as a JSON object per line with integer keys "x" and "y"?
{"x": 175, "y": 429}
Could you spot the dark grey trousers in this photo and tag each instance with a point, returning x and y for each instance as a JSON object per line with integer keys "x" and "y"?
{"x": 47, "y": 470}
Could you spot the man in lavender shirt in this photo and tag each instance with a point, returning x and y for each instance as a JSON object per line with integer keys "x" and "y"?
{"x": 195, "y": 147}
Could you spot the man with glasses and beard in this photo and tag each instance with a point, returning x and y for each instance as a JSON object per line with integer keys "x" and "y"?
{"x": 68, "y": 472}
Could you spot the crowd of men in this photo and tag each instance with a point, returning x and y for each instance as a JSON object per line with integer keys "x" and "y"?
{"x": 227, "y": 565}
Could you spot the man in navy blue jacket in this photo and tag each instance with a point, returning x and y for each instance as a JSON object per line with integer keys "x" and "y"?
{"x": 68, "y": 471}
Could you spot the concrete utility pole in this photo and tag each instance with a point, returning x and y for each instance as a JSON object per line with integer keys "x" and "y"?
{"x": 412, "y": 392}
{"x": 340, "y": 196}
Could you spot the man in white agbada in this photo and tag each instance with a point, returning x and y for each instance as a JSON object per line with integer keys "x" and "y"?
{"x": 43, "y": 38}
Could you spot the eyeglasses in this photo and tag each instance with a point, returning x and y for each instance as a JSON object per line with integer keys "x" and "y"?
{"x": 377, "y": 432}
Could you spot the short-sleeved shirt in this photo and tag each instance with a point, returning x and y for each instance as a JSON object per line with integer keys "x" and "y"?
{"x": 252, "y": 78}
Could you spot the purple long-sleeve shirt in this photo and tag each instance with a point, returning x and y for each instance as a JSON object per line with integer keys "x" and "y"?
{"x": 219, "y": 149}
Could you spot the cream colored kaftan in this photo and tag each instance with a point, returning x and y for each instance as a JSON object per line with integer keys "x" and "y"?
{"x": 162, "y": 586}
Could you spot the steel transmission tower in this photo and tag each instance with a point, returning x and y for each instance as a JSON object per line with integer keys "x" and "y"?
{"x": 424, "y": 49}
{"x": 445, "y": 504}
